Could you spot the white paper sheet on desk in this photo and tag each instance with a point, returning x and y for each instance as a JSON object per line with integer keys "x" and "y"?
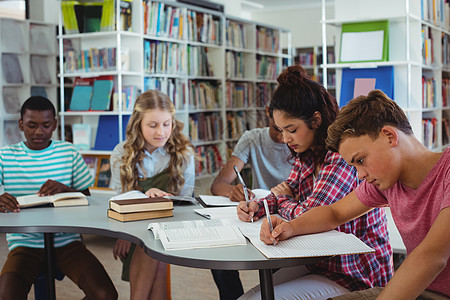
{"x": 319, "y": 244}
{"x": 217, "y": 201}
{"x": 228, "y": 212}
{"x": 260, "y": 193}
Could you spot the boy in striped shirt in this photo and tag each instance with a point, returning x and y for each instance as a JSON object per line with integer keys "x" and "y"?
{"x": 46, "y": 167}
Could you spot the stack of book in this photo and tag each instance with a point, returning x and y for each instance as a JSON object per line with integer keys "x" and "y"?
{"x": 125, "y": 210}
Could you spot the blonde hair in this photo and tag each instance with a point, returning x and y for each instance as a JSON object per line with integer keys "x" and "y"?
{"x": 178, "y": 146}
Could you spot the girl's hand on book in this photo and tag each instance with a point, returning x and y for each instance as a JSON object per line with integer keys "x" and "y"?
{"x": 282, "y": 230}
{"x": 121, "y": 249}
{"x": 8, "y": 203}
{"x": 154, "y": 192}
{"x": 246, "y": 211}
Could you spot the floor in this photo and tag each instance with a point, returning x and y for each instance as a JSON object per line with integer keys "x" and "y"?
{"x": 198, "y": 282}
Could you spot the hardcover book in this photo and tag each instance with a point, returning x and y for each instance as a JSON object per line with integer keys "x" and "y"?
{"x": 141, "y": 215}
{"x": 56, "y": 200}
{"x": 142, "y": 204}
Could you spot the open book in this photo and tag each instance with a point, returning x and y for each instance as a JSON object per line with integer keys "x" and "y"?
{"x": 311, "y": 245}
{"x": 60, "y": 199}
{"x": 197, "y": 234}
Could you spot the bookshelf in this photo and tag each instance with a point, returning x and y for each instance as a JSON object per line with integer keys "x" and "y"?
{"x": 417, "y": 53}
{"x": 217, "y": 78}
{"x": 311, "y": 59}
{"x": 28, "y": 62}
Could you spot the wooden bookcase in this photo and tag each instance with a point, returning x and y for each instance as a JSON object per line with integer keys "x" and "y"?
{"x": 218, "y": 70}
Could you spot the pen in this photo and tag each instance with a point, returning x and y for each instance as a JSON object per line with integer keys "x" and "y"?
{"x": 266, "y": 207}
{"x": 243, "y": 185}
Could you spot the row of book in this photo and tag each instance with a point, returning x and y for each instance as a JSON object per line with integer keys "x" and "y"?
{"x": 92, "y": 93}
{"x": 204, "y": 95}
{"x": 165, "y": 20}
{"x": 94, "y": 59}
{"x": 429, "y": 130}
{"x": 236, "y": 35}
{"x": 240, "y": 94}
{"x": 436, "y": 12}
{"x": 264, "y": 92}
{"x": 205, "y": 127}
{"x": 200, "y": 61}
{"x": 445, "y": 92}
{"x": 237, "y": 123}
{"x": 234, "y": 64}
{"x": 267, "y": 39}
{"x": 209, "y": 160}
{"x": 172, "y": 87}
{"x": 306, "y": 59}
{"x": 427, "y": 46}
{"x": 164, "y": 57}
{"x": 428, "y": 92}
{"x": 267, "y": 67}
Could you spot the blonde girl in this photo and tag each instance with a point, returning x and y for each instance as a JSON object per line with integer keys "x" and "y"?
{"x": 157, "y": 159}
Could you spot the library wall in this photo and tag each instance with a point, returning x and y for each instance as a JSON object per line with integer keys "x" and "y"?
{"x": 303, "y": 22}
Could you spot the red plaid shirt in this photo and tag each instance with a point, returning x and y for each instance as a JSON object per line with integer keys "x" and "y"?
{"x": 335, "y": 180}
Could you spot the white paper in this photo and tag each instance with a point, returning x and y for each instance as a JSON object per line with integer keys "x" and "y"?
{"x": 260, "y": 193}
{"x": 319, "y": 244}
{"x": 228, "y": 212}
{"x": 362, "y": 46}
{"x": 217, "y": 201}
{"x": 197, "y": 234}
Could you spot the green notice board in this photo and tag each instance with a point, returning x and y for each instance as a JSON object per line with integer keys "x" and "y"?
{"x": 364, "y": 42}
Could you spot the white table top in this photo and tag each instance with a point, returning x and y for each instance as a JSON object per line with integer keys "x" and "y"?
{"x": 92, "y": 219}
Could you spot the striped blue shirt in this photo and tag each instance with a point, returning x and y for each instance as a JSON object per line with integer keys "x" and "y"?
{"x": 23, "y": 171}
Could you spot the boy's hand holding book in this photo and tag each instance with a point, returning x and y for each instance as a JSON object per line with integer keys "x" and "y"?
{"x": 52, "y": 187}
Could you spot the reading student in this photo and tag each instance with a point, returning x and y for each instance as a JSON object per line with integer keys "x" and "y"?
{"x": 156, "y": 158}
{"x": 263, "y": 149}
{"x": 46, "y": 167}
{"x": 302, "y": 110}
{"x": 373, "y": 134}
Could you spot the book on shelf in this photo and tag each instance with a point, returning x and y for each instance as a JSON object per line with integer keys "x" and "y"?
{"x": 81, "y": 94}
{"x": 136, "y": 201}
{"x": 56, "y": 200}
{"x": 328, "y": 243}
{"x": 12, "y": 70}
{"x": 141, "y": 215}
{"x": 197, "y": 234}
{"x": 81, "y": 136}
{"x": 101, "y": 94}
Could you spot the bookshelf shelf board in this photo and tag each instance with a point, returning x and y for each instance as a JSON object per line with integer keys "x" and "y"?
{"x": 401, "y": 18}
{"x": 102, "y": 73}
{"x": 164, "y": 75}
{"x": 206, "y": 45}
{"x": 95, "y": 152}
{"x": 100, "y": 34}
{"x": 431, "y": 109}
{"x": 204, "y": 143}
{"x": 241, "y": 79}
{"x": 249, "y": 51}
{"x": 264, "y": 53}
{"x": 369, "y": 65}
{"x": 210, "y": 78}
{"x": 197, "y": 111}
{"x": 261, "y": 80}
{"x": 91, "y": 113}
{"x": 164, "y": 39}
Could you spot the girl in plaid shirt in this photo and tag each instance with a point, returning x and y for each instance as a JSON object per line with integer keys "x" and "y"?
{"x": 302, "y": 110}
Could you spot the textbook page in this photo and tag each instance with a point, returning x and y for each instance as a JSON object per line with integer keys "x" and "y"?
{"x": 217, "y": 201}
{"x": 197, "y": 234}
{"x": 311, "y": 245}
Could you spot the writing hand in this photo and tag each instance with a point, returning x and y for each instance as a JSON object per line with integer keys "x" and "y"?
{"x": 282, "y": 189}
{"x": 8, "y": 203}
{"x": 121, "y": 249}
{"x": 51, "y": 187}
{"x": 246, "y": 211}
{"x": 154, "y": 192}
{"x": 237, "y": 193}
{"x": 282, "y": 230}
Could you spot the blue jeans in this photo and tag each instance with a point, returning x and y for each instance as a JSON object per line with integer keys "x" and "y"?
{"x": 228, "y": 283}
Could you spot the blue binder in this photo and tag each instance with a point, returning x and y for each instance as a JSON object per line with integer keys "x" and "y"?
{"x": 108, "y": 132}
{"x": 384, "y": 80}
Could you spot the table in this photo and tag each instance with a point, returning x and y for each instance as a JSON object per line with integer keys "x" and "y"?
{"x": 92, "y": 219}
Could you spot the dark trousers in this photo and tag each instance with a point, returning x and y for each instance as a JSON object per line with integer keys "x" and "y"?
{"x": 228, "y": 283}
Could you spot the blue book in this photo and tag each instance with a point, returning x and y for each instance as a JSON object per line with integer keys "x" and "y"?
{"x": 108, "y": 132}
{"x": 384, "y": 80}
{"x": 81, "y": 97}
{"x": 101, "y": 94}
